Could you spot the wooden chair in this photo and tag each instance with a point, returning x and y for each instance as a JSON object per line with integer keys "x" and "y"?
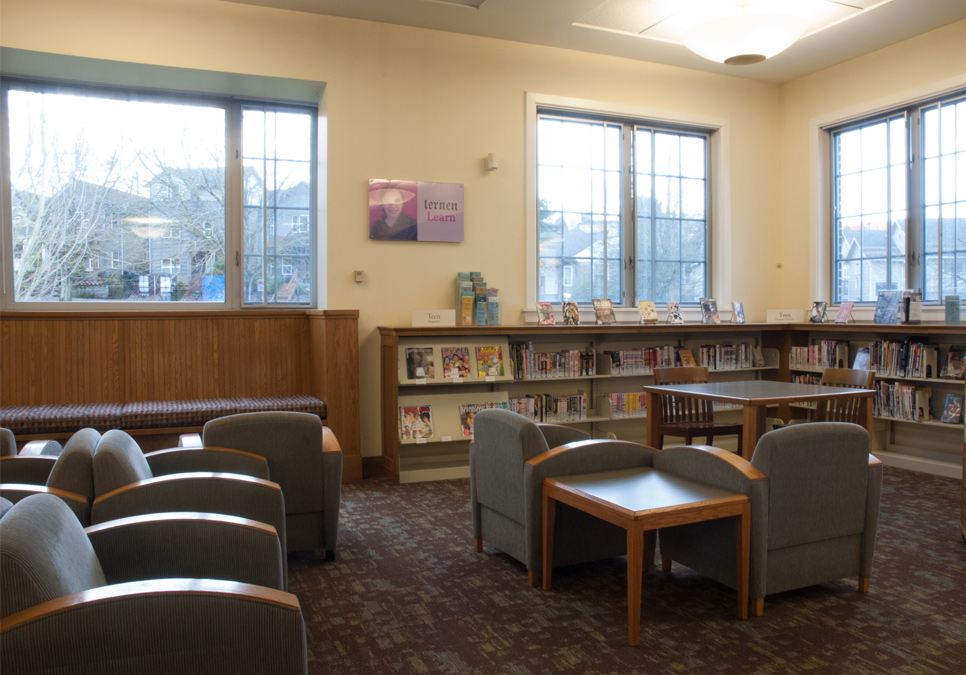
{"x": 688, "y": 417}
{"x": 844, "y": 411}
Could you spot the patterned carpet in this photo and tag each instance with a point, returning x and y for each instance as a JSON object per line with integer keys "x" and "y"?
{"x": 408, "y": 594}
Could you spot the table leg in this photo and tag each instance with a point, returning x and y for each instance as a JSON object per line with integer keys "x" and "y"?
{"x": 549, "y": 516}
{"x": 742, "y": 555}
{"x": 754, "y": 426}
{"x": 635, "y": 570}
{"x": 652, "y": 405}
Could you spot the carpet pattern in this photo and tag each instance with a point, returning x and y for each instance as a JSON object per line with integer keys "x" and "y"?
{"x": 408, "y": 594}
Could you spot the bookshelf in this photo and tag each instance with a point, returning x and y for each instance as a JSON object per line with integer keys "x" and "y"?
{"x": 563, "y": 363}
{"x": 905, "y": 434}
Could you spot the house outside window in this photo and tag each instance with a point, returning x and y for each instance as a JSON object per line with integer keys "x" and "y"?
{"x": 622, "y": 210}
{"x": 163, "y": 197}
{"x": 899, "y": 202}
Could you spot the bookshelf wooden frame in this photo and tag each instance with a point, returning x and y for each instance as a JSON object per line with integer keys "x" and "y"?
{"x": 772, "y": 337}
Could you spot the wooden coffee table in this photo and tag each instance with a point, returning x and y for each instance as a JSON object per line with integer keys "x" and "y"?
{"x": 642, "y": 499}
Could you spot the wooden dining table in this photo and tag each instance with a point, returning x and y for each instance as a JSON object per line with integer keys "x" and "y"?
{"x": 754, "y": 396}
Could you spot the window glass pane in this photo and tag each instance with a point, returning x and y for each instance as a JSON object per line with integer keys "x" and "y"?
{"x": 105, "y": 190}
{"x": 278, "y": 232}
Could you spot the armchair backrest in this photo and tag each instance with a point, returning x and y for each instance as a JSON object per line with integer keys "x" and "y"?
{"x": 74, "y": 469}
{"x": 8, "y": 443}
{"x": 118, "y": 461}
{"x": 44, "y": 554}
{"x": 503, "y": 442}
{"x": 558, "y": 434}
{"x": 818, "y": 481}
{"x": 291, "y": 443}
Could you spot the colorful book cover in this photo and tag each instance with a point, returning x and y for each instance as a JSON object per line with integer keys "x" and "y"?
{"x": 415, "y": 422}
{"x": 468, "y": 414}
{"x": 571, "y": 314}
{"x": 887, "y": 307}
{"x": 738, "y": 311}
{"x": 604, "y": 311}
{"x": 955, "y": 363}
{"x": 709, "y": 311}
{"x": 456, "y": 362}
{"x": 818, "y": 311}
{"x": 953, "y": 410}
{"x": 687, "y": 358}
{"x": 489, "y": 361}
{"x": 845, "y": 312}
{"x": 861, "y": 361}
{"x": 545, "y": 314}
{"x": 648, "y": 311}
{"x": 419, "y": 363}
{"x": 674, "y": 313}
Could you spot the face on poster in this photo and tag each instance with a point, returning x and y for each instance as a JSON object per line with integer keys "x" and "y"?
{"x": 415, "y": 211}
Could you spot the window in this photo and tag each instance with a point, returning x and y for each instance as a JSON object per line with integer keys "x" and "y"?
{"x": 899, "y": 202}
{"x": 146, "y": 181}
{"x": 622, "y": 210}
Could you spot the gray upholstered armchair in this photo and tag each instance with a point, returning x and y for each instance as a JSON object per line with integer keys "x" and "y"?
{"x": 120, "y": 598}
{"x": 31, "y": 465}
{"x": 69, "y": 474}
{"x": 304, "y": 458}
{"x": 125, "y": 485}
{"x": 509, "y": 459}
{"x": 814, "y": 492}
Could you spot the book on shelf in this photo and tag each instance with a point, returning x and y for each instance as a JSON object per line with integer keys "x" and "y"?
{"x": 468, "y": 414}
{"x": 952, "y": 310}
{"x": 861, "y": 361}
{"x": 844, "y": 314}
{"x": 687, "y": 358}
{"x": 709, "y": 311}
{"x": 571, "y": 314}
{"x": 923, "y": 404}
{"x": 674, "y": 313}
{"x": 953, "y": 410}
{"x": 465, "y": 297}
{"x": 911, "y": 307}
{"x": 415, "y": 422}
{"x": 545, "y": 314}
{"x": 737, "y": 312}
{"x": 493, "y": 307}
{"x": 955, "y": 368}
{"x": 419, "y": 363}
{"x": 481, "y": 311}
{"x": 604, "y": 310}
{"x": 818, "y": 312}
{"x": 648, "y": 311}
{"x": 456, "y": 362}
{"x": 887, "y": 307}
{"x": 757, "y": 357}
{"x": 489, "y": 361}
{"x": 466, "y": 310}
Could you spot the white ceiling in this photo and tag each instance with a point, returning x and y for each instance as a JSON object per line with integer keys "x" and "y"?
{"x": 636, "y": 29}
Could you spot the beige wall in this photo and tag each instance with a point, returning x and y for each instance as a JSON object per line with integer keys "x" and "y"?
{"x": 425, "y": 105}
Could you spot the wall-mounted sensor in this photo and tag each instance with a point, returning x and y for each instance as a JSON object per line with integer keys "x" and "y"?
{"x": 491, "y": 163}
{"x": 360, "y": 276}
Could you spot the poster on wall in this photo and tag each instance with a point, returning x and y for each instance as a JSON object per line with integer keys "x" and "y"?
{"x": 401, "y": 210}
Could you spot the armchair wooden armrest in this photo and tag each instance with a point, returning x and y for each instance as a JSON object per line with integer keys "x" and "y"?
{"x": 188, "y": 544}
{"x": 208, "y": 459}
{"x": 77, "y": 503}
{"x": 32, "y": 469}
{"x": 735, "y": 460}
{"x": 329, "y": 442}
{"x": 158, "y": 626}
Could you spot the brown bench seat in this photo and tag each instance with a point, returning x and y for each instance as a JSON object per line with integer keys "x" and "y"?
{"x": 53, "y": 421}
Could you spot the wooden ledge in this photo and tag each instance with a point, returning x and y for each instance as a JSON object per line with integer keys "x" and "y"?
{"x": 195, "y": 475}
{"x": 181, "y": 517}
{"x": 30, "y": 458}
{"x": 157, "y": 588}
{"x": 329, "y": 442}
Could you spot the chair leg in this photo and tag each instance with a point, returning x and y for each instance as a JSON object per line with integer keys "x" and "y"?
{"x": 533, "y": 578}
{"x": 649, "y": 542}
{"x": 478, "y": 544}
{"x": 665, "y": 563}
{"x": 757, "y": 606}
{"x": 329, "y": 555}
{"x": 863, "y": 584}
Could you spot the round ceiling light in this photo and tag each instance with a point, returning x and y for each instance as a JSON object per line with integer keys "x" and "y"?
{"x": 744, "y": 38}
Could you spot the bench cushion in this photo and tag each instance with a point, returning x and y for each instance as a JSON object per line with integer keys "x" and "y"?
{"x": 67, "y": 418}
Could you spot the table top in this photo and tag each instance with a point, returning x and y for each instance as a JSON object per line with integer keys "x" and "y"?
{"x": 759, "y": 392}
{"x": 641, "y": 489}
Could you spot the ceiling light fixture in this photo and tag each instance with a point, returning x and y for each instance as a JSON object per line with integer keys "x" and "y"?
{"x": 741, "y": 32}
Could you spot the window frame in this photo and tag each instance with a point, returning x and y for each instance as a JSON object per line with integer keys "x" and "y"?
{"x": 719, "y": 276}
{"x": 126, "y": 79}
{"x": 913, "y": 112}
